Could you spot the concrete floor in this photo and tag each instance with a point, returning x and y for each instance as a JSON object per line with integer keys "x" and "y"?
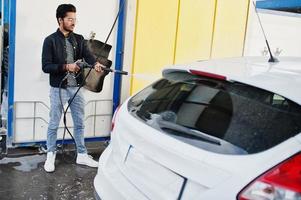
{"x": 23, "y": 177}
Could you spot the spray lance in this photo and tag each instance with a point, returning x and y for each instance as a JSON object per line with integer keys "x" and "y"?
{"x": 83, "y": 65}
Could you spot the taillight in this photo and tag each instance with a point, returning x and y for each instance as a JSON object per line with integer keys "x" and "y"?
{"x": 282, "y": 182}
{"x": 114, "y": 117}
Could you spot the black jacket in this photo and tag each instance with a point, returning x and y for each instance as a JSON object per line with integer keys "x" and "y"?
{"x": 54, "y": 56}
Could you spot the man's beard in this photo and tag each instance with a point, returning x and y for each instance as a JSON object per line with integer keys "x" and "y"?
{"x": 66, "y": 28}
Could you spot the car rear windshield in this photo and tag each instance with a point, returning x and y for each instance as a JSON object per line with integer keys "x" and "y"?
{"x": 217, "y": 115}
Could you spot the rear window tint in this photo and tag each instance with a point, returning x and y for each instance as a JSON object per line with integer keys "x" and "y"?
{"x": 216, "y": 115}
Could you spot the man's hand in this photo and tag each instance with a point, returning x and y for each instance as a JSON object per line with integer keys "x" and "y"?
{"x": 99, "y": 67}
{"x": 72, "y": 67}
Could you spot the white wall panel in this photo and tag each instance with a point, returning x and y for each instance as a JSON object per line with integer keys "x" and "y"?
{"x": 35, "y": 19}
{"x": 282, "y": 30}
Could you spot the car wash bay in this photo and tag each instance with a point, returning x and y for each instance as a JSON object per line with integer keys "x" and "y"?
{"x": 22, "y": 177}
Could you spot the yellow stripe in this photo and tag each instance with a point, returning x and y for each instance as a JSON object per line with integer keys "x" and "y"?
{"x": 177, "y": 29}
{"x": 246, "y": 28}
{"x": 134, "y": 48}
{"x": 213, "y": 28}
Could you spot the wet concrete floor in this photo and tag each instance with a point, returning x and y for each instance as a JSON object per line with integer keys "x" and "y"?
{"x": 23, "y": 177}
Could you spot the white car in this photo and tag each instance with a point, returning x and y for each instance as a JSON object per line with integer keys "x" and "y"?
{"x": 215, "y": 130}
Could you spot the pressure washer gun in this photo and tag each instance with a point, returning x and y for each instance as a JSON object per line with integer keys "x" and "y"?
{"x": 83, "y": 64}
{"x": 93, "y": 80}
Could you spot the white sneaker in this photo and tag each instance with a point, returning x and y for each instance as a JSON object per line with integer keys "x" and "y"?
{"x": 85, "y": 159}
{"x": 49, "y": 164}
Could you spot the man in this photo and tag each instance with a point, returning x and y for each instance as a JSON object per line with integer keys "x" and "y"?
{"x": 61, "y": 51}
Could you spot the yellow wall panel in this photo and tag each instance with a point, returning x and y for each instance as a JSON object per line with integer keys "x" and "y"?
{"x": 229, "y": 29}
{"x": 154, "y": 42}
{"x": 178, "y": 31}
{"x": 140, "y": 83}
{"x": 195, "y": 28}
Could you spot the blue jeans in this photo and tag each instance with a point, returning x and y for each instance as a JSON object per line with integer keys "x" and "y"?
{"x": 77, "y": 111}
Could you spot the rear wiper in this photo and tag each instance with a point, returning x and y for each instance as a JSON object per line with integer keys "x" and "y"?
{"x": 182, "y": 131}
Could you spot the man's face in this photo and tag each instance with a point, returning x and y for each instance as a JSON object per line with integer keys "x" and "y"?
{"x": 68, "y": 22}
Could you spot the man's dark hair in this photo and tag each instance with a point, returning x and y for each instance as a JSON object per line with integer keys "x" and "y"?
{"x": 62, "y": 10}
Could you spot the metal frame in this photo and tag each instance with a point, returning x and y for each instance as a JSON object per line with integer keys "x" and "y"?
{"x": 34, "y": 118}
{"x": 278, "y": 4}
{"x": 119, "y": 57}
{"x": 2, "y": 13}
{"x": 11, "y": 71}
{"x": 66, "y": 141}
{"x": 5, "y": 11}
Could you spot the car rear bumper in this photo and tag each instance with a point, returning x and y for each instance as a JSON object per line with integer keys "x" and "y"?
{"x": 103, "y": 186}
{"x": 97, "y": 197}
{"x": 110, "y": 183}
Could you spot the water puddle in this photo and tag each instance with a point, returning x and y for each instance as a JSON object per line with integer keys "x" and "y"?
{"x": 26, "y": 163}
